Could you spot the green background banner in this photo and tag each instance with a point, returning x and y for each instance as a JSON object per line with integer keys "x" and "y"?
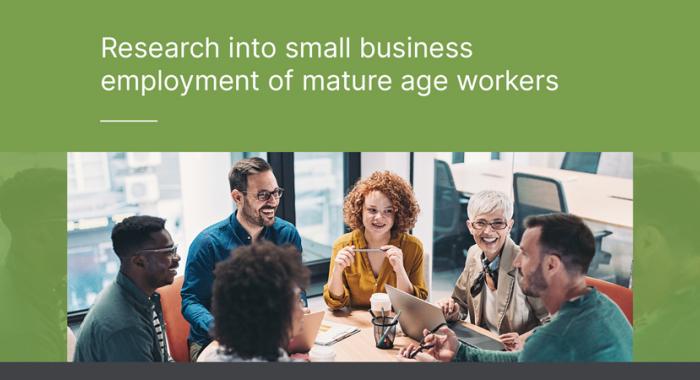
{"x": 627, "y": 77}
{"x": 626, "y": 73}
{"x": 666, "y": 269}
{"x": 33, "y": 256}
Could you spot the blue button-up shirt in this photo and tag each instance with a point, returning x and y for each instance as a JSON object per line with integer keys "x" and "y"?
{"x": 211, "y": 246}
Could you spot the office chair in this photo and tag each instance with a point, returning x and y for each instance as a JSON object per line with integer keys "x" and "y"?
{"x": 619, "y": 294}
{"x": 177, "y": 327}
{"x": 537, "y": 195}
{"x": 586, "y": 162}
{"x": 450, "y": 234}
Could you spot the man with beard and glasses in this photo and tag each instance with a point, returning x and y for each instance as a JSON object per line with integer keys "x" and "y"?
{"x": 256, "y": 193}
{"x": 586, "y": 325}
{"x": 126, "y": 322}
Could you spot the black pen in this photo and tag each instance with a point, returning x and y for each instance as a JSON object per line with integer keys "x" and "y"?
{"x": 422, "y": 345}
{"x": 421, "y": 348}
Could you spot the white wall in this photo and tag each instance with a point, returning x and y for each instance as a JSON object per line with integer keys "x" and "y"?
{"x": 424, "y": 188}
{"x": 616, "y": 164}
{"x": 397, "y": 162}
{"x": 205, "y": 191}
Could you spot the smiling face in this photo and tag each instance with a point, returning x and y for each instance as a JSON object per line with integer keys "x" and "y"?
{"x": 254, "y": 211}
{"x": 377, "y": 214}
{"x": 491, "y": 240}
{"x": 161, "y": 264}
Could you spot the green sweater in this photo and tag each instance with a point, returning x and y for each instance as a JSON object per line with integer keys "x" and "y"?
{"x": 119, "y": 326}
{"x": 590, "y": 328}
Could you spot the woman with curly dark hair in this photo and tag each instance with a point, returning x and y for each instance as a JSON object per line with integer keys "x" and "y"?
{"x": 380, "y": 210}
{"x": 256, "y": 303}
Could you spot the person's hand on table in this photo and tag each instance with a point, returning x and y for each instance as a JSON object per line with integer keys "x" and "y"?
{"x": 395, "y": 256}
{"x": 443, "y": 346}
{"x": 420, "y": 357}
{"x": 511, "y": 340}
{"x": 450, "y": 309}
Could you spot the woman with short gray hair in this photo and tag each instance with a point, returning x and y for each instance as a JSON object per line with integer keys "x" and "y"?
{"x": 487, "y": 291}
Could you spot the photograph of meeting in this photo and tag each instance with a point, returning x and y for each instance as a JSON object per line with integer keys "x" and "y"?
{"x": 350, "y": 256}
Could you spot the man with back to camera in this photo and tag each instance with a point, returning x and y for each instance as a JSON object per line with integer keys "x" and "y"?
{"x": 255, "y": 191}
{"x": 126, "y": 321}
{"x": 586, "y": 325}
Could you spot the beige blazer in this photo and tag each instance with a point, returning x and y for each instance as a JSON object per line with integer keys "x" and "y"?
{"x": 516, "y": 311}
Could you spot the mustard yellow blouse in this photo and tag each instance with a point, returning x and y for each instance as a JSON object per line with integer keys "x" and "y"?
{"x": 359, "y": 281}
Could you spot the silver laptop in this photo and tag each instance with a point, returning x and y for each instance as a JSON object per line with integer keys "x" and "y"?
{"x": 303, "y": 341}
{"x": 417, "y": 315}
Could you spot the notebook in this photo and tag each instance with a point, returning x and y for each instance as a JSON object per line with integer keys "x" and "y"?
{"x": 332, "y": 332}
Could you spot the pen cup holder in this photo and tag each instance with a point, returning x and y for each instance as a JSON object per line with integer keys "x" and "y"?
{"x": 384, "y": 331}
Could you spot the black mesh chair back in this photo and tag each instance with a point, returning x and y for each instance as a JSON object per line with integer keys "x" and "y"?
{"x": 535, "y": 195}
{"x": 446, "y": 199}
{"x": 586, "y": 162}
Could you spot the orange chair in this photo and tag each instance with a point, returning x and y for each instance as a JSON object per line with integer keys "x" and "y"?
{"x": 619, "y": 294}
{"x": 176, "y": 327}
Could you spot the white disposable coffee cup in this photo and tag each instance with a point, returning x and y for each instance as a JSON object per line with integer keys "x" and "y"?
{"x": 322, "y": 354}
{"x": 379, "y": 302}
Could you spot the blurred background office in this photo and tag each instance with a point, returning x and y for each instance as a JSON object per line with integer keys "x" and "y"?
{"x": 191, "y": 191}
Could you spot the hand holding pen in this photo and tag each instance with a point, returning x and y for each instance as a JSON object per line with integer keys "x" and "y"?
{"x": 346, "y": 256}
{"x": 440, "y": 344}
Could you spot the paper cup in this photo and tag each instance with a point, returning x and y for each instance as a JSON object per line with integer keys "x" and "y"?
{"x": 322, "y": 354}
{"x": 379, "y": 302}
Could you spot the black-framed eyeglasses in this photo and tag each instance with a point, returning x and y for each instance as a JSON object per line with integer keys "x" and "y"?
{"x": 264, "y": 195}
{"x": 170, "y": 251}
{"x": 496, "y": 225}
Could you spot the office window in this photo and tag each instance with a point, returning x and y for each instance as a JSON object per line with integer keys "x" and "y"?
{"x": 88, "y": 172}
{"x": 318, "y": 188}
{"x": 104, "y": 188}
{"x": 236, "y": 156}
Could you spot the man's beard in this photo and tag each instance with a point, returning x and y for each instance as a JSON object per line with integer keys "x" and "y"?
{"x": 537, "y": 283}
{"x": 254, "y": 217}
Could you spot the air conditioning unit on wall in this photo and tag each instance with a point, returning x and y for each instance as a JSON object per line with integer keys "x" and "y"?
{"x": 141, "y": 189}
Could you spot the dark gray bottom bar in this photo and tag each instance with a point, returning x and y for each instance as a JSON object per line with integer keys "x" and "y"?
{"x": 337, "y": 371}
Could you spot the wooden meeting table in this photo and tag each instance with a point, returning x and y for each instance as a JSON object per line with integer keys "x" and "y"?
{"x": 361, "y": 347}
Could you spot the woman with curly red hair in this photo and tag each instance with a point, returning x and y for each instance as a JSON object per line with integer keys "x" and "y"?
{"x": 380, "y": 210}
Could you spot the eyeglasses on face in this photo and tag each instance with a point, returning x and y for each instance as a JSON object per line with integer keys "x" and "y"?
{"x": 264, "y": 195}
{"x": 496, "y": 224}
{"x": 170, "y": 251}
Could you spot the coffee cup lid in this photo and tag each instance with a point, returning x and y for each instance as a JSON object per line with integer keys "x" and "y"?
{"x": 379, "y": 297}
{"x": 322, "y": 351}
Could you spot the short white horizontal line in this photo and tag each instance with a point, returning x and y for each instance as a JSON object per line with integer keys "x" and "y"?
{"x": 128, "y": 121}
